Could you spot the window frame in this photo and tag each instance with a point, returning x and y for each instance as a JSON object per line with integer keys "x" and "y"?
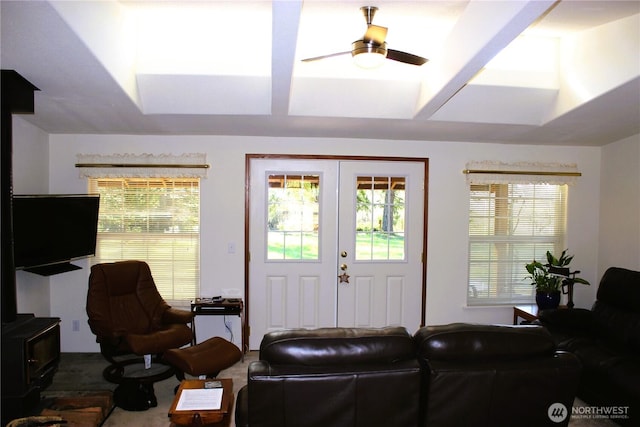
{"x": 503, "y": 281}
{"x": 307, "y": 191}
{"x": 170, "y": 246}
{"x": 380, "y": 202}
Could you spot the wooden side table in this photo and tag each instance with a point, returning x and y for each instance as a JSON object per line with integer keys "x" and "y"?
{"x": 212, "y": 418}
{"x": 527, "y": 312}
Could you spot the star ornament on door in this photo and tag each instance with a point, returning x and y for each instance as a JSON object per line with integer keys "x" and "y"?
{"x": 344, "y": 278}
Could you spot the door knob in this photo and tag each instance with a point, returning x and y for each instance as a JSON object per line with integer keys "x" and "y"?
{"x": 343, "y": 254}
{"x": 343, "y": 267}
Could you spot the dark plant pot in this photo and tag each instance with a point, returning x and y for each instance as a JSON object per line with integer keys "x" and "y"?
{"x": 547, "y": 300}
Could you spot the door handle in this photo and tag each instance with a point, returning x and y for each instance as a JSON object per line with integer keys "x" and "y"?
{"x": 343, "y": 267}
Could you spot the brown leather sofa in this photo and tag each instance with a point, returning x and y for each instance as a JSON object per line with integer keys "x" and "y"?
{"x": 450, "y": 375}
{"x": 606, "y": 339}
{"x": 492, "y": 375}
{"x": 332, "y": 377}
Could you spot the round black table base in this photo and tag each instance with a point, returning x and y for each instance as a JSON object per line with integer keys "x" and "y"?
{"x": 134, "y": 370}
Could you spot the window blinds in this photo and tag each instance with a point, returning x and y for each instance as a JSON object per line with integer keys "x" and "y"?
{"x": 517, "y": 212}
{"x": 510, "y": 225}
{"x": 156, "y": 220}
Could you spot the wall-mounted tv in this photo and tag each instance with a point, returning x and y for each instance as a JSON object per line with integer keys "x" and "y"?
{"x": 49, "y": 231}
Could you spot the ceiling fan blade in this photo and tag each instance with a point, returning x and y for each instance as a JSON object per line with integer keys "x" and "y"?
{"x": 405, "y": 57}
{"x": 375, "y": 34}
{"x": 315, "y": 58}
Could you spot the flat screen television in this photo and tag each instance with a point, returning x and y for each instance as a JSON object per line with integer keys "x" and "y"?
{"x": 50, "y": 231}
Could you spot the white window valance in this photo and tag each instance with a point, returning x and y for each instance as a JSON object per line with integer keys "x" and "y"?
{"x": 189, "y": 165}
{"x": 492, "y": 172}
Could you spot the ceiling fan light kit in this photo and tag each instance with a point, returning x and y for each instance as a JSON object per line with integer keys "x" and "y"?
{"x": 368, "y": 55}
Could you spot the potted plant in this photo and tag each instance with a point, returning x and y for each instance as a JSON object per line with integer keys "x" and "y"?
{"x": 550, "y": 278}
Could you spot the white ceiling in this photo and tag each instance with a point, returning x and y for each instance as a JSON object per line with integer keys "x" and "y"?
{"x": 542, "y": 72}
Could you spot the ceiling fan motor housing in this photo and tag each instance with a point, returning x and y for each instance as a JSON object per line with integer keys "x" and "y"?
{"x": 361, "y": 46}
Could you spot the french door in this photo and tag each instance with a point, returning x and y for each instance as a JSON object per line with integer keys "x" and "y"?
{"x": 335, "y": 243}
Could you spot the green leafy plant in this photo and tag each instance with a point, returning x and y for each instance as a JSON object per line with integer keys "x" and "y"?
{"x": 549, "y": 277}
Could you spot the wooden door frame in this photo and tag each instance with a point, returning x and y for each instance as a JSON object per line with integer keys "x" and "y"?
{"x": 246, "y": 329}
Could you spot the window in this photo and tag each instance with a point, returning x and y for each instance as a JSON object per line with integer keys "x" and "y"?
{"x": 380, "y": 218}
{"x": 510, "y": 225}
{"x": 156, "y": 220}
{"x": 293, "y": 217}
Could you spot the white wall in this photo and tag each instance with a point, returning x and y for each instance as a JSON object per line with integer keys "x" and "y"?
{"x": 31, "y": 176}
{"x": 620, "y": 205}
{"x": 447, "y": 225}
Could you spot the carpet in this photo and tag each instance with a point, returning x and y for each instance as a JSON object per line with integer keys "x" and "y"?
{"x": 82, "y": 372}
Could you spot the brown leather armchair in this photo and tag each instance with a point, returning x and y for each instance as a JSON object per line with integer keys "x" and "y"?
{"x": 130, "y": 319}
{"x": 606, "y": 339}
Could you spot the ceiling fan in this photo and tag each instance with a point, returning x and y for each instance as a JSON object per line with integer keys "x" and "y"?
{"x": 371, "y": 50}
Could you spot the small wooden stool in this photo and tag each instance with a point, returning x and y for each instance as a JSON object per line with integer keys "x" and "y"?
{"x": 207, "y": 358}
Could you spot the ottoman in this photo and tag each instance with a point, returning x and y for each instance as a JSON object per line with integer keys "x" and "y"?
{"x": 207, "y": 358}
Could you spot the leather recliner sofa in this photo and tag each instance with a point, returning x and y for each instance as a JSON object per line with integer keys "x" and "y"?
{"x": 449, "y": 375}
{"x": 332, "y": 377}
{"x": 606, "y": 339}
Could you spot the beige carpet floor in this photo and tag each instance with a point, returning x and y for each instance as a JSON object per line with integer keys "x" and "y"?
{"x": 83, "y": 372}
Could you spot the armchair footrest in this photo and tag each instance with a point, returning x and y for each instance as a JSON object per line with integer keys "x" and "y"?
{"x": 207, "y": 358}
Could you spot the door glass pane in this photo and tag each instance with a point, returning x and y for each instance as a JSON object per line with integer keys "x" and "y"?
{"x": 380, "y": 218}
{"x": 293, "y": 215}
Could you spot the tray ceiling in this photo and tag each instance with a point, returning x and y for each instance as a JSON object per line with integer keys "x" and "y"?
{"x": 541, "y": 72}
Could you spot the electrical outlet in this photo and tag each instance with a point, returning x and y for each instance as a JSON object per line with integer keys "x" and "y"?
{"x": 75, "y": 325}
